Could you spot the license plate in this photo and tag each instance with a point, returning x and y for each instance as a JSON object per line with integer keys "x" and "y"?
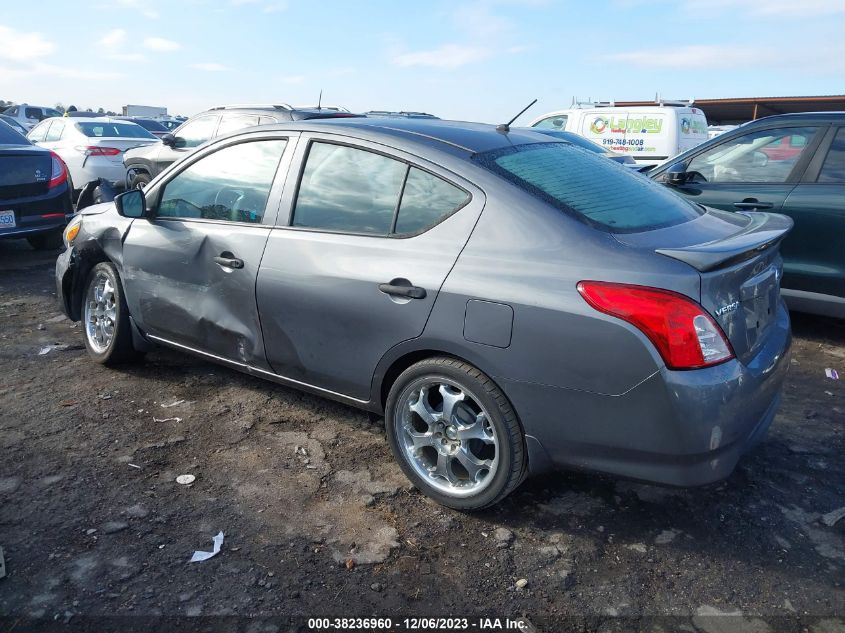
{"x": 7, "y": 220}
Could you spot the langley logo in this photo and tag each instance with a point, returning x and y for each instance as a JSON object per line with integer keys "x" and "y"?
{"x": 730, "y": 307}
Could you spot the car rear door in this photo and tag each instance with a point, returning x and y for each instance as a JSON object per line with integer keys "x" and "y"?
{"x": 362, "y": 247}
{"x": 814, "y": 253}
{"x": 190, "y": 270}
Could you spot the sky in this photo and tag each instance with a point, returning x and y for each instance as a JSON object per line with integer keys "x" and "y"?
{"x": 480, "y": 60}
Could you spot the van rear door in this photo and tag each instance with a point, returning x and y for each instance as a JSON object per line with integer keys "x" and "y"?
{"x": 692, "y": 128}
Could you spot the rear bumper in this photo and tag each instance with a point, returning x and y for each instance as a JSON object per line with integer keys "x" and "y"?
{"x": 683, "y": 428}
{"x": 38, "y": 214}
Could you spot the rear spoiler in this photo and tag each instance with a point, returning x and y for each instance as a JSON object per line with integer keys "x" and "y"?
{"x": 764, "y": 231}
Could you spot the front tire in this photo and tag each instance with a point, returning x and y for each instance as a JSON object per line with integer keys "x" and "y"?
{"x": 140, "y": 180}
{"x": 105, "y": 317}
{"x": 454, "y": 434}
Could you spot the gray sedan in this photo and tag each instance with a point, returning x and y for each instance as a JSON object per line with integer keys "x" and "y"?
{"x": 509, "y": 302}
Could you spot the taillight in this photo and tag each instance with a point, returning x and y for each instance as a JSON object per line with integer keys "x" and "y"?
{"x": 96, "y": 150}
{"x": 58, "y": 171}
{"x": 681, "y": 330}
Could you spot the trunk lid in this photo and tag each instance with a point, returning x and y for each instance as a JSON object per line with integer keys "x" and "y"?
{"x": 737, "y": 256}
{"x": 123, "y": 144}
{"x": 24, "y": 172}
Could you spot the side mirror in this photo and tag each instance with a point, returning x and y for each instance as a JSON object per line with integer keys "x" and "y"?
{"x": 169, "y": 140}
{"x": 131, "y": 204}
{"x": 676, "y": 174}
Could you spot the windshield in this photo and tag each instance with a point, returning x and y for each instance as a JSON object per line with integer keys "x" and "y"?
{"x": 10, "y": 136}
{"x": 589, "y": 186}
{"x": 149, "y": 124}
{"x": 109, "y": 129}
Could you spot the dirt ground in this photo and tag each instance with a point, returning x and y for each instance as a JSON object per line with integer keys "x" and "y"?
{"x": 93, "y": 523}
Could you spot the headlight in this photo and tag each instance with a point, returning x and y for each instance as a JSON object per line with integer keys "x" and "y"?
{"x": 72, "y": 230}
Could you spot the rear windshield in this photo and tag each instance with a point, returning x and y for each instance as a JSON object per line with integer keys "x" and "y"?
{"x": 10, "y": 136}
{"x": 589, "y": 186}
{"x": 113, "y": 130}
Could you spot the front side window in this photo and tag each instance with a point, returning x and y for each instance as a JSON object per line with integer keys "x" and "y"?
{"x": 761, "y": 156}
{"x": 557, "y": 122}
{"x": 39, "y": 132}
{"x": 196, "y": 132}
{"x": 349, "y": 190}
{"x": 833, "y": 169}
{"x": 589, "y": 186}
{"x": 232, "y": 184}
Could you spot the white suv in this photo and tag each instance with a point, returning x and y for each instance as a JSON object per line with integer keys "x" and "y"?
{"x": 29, "y": 115}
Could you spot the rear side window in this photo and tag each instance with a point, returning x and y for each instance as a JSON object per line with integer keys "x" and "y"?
{"x": 34, "y": 113}
{"x": 589, "y": 186}
{"x": 833, "y": 169}
{"x": 426, "y": 200}
{"x": 106, "y": 129}
{"x": 38, "y": 133}
{"x": 349, "y": 190}
{"x": 232, "y": 123}
{"x": 55, "y": 132}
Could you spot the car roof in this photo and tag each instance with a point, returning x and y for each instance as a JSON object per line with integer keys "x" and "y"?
{"x": 799, "y": 116}
{"x": 461, "y": 137}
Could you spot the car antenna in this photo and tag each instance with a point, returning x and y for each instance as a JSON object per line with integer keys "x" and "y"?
{"x": 320, "y": 100}
{"x": 506, "y": 127}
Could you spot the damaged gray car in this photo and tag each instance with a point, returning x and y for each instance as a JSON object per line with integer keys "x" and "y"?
{"x": 510, "y": 302}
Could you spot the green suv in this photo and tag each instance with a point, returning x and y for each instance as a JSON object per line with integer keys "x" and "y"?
{"x": 792, "y": 164}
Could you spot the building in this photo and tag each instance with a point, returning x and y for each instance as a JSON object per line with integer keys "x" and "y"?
{"x": 744, "y": 109}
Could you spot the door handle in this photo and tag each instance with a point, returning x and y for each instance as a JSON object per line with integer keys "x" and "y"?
{"x": 751, "y": 203}
{"x": 229, "y": 262}
{"x": 412, "y": 292}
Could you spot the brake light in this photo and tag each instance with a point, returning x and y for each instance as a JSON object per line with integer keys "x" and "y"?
{"x": 96, "y": 150}
{"x": 58, "y": 171}
{"x": 683, "y": 333}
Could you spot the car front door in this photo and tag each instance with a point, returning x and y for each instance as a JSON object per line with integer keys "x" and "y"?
{"x": 189, "y": 271}
{"x": 814, "y": 252}
{"x": 186, "y": 139}
{"x": 356, "y": 266}
{"x": 747, "y": 172}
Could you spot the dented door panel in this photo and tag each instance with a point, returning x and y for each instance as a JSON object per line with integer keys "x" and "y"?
{"x": 177, "y": 291}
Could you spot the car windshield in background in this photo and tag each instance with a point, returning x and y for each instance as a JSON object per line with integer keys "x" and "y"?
{"x": 10, "y": 136}
{"x": 589, "y": 186}
{"x": 150, "y": 125}
{"x": 108, "y": 129}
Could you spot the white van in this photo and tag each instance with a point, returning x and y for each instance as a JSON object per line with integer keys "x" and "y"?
{"x": 649, "y": 134}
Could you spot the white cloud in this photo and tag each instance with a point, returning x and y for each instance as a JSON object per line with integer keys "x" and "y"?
{"x": 113, "y": 38}
{"x": 141, "y": 6}
{"x": 19, "y": 46}
{"x": 275, "y": 7}
{"x": 448, "y": 56}
{"x": 705, "y": 56}
{"x": 161, "y": 45}
{"x": 210, "y": 67}
{"x": 128, "y": 57}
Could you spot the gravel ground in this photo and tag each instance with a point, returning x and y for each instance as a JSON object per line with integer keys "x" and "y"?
{"x": 318, "y": 520}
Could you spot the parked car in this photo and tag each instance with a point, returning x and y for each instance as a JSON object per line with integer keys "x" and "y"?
{"x": 92, "y": 148}
{"x": 649, "y": 134}
{"x": 13, "y": 123}
{"x": 793, "y": 164}
{"x": 34, "y": 194}
{"x": 580, "y": 141}
{"x": 29, "y": 115}
{"x": 510, "y": 302}
{"x": 150, "y": 125}
{"x": 170, "y": 124}
{"x": 144, "y": 164}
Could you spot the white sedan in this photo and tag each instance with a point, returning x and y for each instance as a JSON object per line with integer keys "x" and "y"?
{"x": 91, "y": 148}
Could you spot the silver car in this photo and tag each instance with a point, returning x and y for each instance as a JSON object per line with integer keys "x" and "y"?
{"x": 510, "y": 303}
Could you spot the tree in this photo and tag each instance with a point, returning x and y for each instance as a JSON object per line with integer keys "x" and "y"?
{"x": 60, "y": 107}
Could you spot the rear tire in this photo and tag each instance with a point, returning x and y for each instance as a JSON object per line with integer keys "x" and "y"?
{"x": 140, "y": 180}
{"x": 455, "y": 434}
{"x": 50, "y": 241}
{"x": 105, "y": 318}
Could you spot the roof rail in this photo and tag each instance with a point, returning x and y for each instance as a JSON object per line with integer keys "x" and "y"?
{"x": 676, "y": 103}
{"x": 256, "y": 106}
